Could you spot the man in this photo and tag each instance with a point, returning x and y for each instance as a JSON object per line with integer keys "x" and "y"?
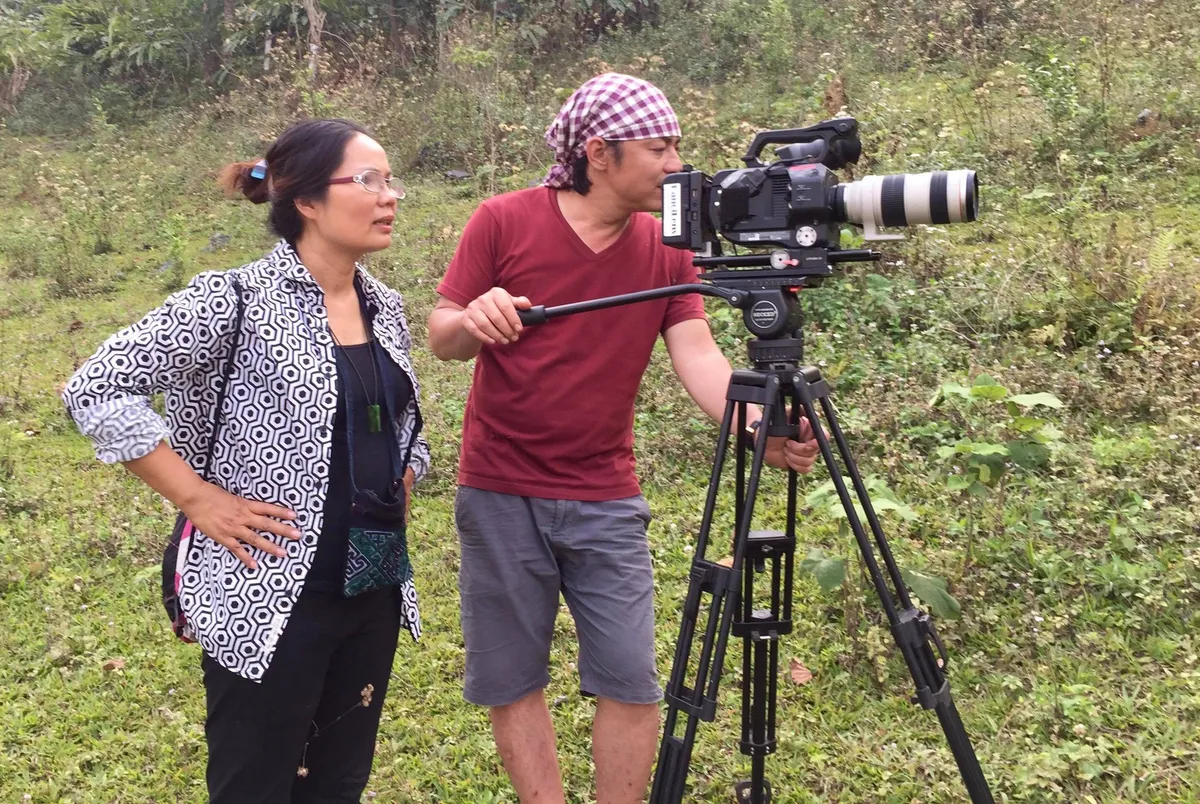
{"x": 547, "y": 498}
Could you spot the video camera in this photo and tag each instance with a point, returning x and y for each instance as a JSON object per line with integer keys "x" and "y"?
{"x": 796, "y": 204}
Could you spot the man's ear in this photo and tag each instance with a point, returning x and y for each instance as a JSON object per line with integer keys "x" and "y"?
{"x": 599, "y": 154}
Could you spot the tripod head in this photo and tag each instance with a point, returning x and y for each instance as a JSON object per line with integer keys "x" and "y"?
{"x": 764, "y": 287}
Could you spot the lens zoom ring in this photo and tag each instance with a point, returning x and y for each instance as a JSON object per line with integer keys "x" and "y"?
{"x": 939, "y": 211}
{"x": 891, "y": 201}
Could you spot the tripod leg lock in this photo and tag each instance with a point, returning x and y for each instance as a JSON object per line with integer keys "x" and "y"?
{"x": 716, "y": 579}
{"x": 932, "y": 700}
{"x": 914, "y": 632}
{"x": 692, "y": 702}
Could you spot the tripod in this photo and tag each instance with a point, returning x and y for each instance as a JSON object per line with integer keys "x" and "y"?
{"x": 776, "y": 384}
{"x": 782, "y": 388}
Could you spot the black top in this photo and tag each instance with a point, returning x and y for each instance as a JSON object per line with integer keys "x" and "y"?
{"x": 372, "y": 462}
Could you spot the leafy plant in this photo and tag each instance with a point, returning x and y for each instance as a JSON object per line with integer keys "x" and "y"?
{"x": 829, "y": 570}
{"x": 977, "y": 464}
{"x": 1021, "y": 440}
{"x": 175, "y": 267}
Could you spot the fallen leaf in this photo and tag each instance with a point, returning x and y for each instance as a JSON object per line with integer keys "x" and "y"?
{"x": 114, "y": 664}
{"x": 801, "y": 675}
{"x": 727, "y": 561}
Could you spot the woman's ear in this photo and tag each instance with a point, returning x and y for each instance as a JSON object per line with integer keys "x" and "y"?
{"x": 306, "y": 207}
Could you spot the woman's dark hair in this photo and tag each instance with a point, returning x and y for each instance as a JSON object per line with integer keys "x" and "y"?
{"x": 580, "y": 182}
{"x": 300, "y": 164}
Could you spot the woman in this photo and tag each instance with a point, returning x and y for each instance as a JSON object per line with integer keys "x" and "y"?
{"x": 296, "y": 581}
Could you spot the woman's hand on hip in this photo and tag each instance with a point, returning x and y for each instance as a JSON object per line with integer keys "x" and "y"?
{"x": 237, "y": 523}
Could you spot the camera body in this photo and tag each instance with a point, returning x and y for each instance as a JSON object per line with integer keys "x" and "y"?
{"x": 784, "y": 205}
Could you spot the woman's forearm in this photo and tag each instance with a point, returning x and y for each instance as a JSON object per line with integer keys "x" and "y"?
{"x": 170, "y": 475}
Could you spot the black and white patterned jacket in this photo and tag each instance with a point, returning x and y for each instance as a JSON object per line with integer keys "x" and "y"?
{"x": 274, "y": 444}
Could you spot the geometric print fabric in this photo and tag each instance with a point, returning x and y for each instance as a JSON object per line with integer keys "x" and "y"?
{"x": 275, "y": 439}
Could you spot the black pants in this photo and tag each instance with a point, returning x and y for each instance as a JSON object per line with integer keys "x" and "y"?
{"x": 331, "y": 649}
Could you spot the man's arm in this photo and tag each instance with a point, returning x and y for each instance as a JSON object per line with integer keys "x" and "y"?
{"x": 457, "y": 333}
{"x": 471, "y": 311}
{"x": 704, "y": 372}
{"x": 448, "y": 338}
{"x": 702, "y": 368}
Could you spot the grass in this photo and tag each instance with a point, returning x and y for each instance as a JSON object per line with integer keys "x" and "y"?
{"x": 1075, "y": 663}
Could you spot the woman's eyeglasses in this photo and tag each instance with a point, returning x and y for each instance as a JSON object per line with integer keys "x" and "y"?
{"x": 374, "y": 182}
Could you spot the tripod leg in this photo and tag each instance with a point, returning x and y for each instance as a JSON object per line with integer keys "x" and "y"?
{"x": 912, "y": 629}
{"x": 768, "y": 552}
{"x": 719, "y": 584}
{"x": 674, "y": 757}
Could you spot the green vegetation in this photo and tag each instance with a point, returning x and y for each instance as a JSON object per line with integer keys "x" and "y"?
{"x": 1021, "y": 392}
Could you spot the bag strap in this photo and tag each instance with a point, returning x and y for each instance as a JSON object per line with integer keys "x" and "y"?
{"x": 225, "y": 379}
{"x": 369, "y": 312}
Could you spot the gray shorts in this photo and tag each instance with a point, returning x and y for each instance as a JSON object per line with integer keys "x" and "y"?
{"x": 518, "y": 553}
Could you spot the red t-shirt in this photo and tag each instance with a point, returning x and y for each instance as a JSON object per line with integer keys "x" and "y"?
{"x": 552, "y": 414}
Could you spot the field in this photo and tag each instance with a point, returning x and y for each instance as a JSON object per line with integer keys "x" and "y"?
{"x": 1021, "y": 391}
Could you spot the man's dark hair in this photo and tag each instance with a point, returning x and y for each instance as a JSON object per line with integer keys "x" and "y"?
{"x": 579, "y": 175}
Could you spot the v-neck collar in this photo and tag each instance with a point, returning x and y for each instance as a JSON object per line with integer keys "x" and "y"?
{"x": 581, "y": 247}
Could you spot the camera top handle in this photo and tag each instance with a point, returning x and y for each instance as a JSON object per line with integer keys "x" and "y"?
{"x": 839, "y": 135}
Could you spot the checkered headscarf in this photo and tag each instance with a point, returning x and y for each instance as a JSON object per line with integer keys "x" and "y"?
{"x": 610, "y": 106}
